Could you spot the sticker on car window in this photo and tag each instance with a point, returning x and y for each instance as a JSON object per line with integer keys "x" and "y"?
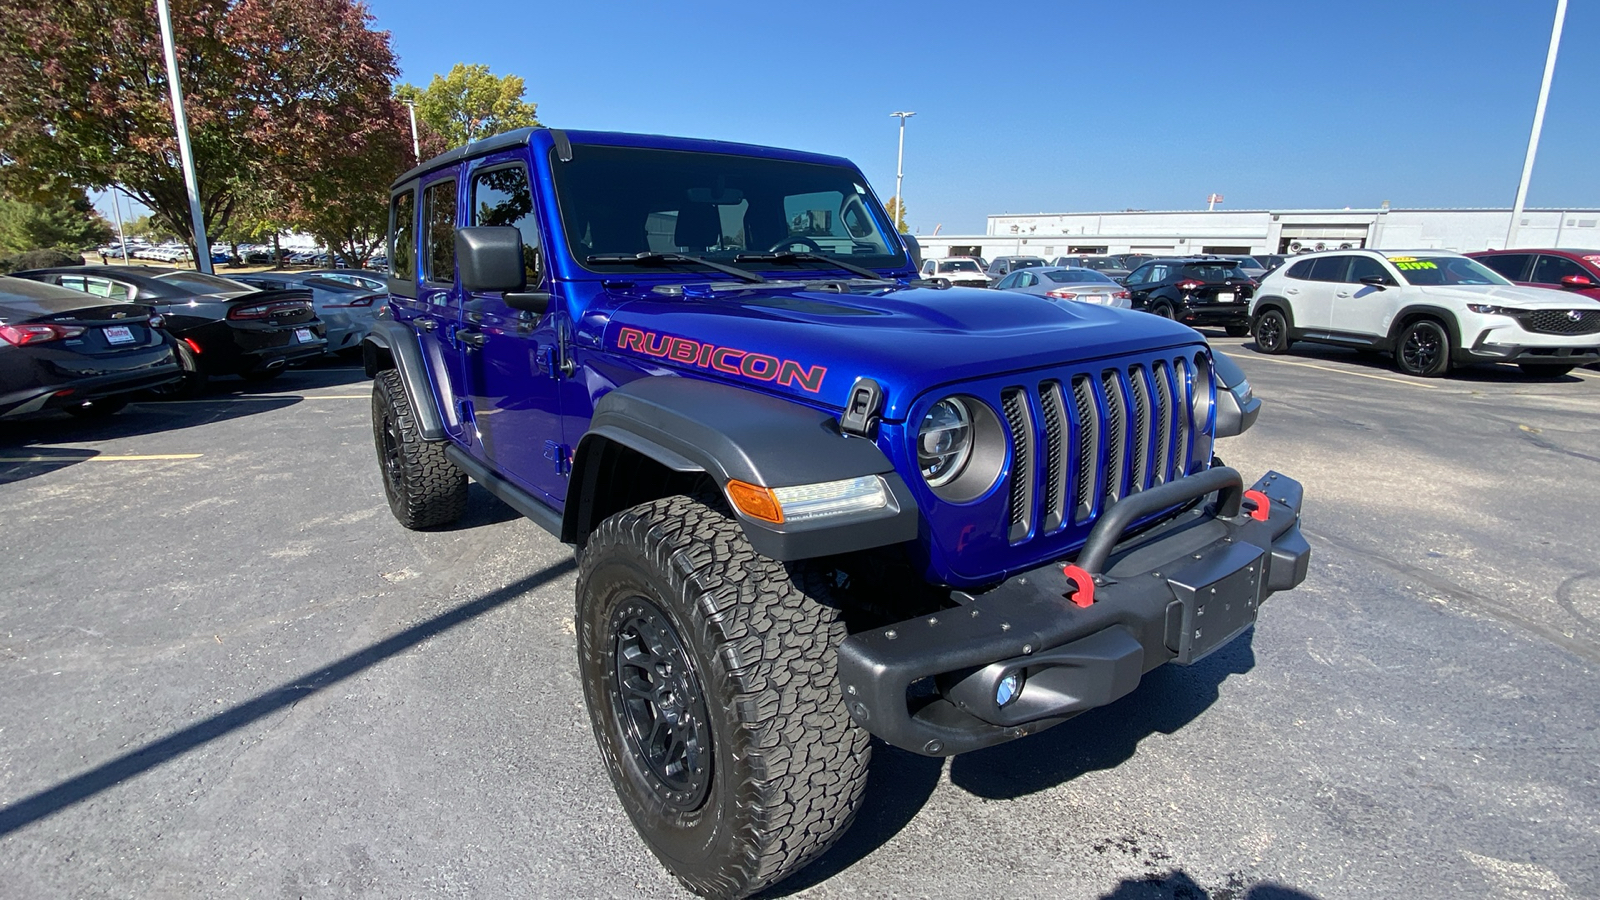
{"x": 1414, "y": 264}
{"x": 1401, "y": 259}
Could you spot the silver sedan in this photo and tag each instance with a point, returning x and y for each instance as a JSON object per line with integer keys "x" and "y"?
{"x": 1063, "y": 283}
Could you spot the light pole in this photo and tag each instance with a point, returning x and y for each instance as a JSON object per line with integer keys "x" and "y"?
{"x": 416, "y": 148}
{"x": 900, "y": 167}
{"x": 1538, "y": 123}
{"x": 122, "y": 239}
{"x": 202, "y": 247}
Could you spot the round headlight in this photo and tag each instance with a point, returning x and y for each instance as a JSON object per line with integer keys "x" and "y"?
{"x": 944, "y": 443}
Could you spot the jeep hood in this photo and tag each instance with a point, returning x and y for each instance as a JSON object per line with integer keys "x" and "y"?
{"x": 812, "y": 344}
{"x": 1502, "y": 295}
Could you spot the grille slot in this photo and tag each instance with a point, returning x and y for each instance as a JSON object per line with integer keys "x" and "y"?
{"x": 1141, "y": 428}
{"x": 1014, "y": 403}
{"x": 1561, "y": 321}
{"x": 1057, "y": 428}
{"x": 1183, "y": 401}
{"x": 1116, "y": 433}
{"x": 1087, "y": 464}
{"x": 1163, "y": 379}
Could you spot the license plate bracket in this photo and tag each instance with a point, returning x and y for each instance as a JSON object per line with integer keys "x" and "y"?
{"x": 1217, "y": 599}
{"x": 118, "y": 334}
{"x": 1225, "y": 297}
{"x": 304, "y": 335}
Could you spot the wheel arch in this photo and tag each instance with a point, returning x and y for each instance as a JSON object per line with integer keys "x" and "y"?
{"x": 1409, "y": 314}
{"x": 1273, "y": 301}
{"x": 661, "y": 435}
{"x": 391, "y": 345}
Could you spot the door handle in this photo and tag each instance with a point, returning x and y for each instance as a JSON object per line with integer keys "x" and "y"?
{"x": 474, "y": 340}
{"x": 1291, "y": 290}
{"x": 1342, "y": 294}
{"x": 426, "y": 324}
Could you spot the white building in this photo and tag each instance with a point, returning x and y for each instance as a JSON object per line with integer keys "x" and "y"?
{"x": 1266, "y": 231}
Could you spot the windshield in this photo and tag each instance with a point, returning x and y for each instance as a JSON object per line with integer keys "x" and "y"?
{"x": 959, "y": 265}
{"x": 1249, "y": 262}
{"x": 201, "y": 283}
{"x": 1026, "y": 262}
{"x": 1212, "y": 271}
{"x": 632, "y": 200}
{"x": 1433, "y": 270}
{"x": 1079, "y": 276}
{"x": 1100, "y": 263}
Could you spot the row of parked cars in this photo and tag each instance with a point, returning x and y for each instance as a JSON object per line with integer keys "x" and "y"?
{"x": 1431, "y": 310}
{"x": 85, "y": 339}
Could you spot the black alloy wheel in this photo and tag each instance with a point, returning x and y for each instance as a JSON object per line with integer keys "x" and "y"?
{"x": 423, "y": 487}
{"x": 659, "y": 703}
{"x": 1272, "y": 332}
{"x": 1423, "y": 349}
{"x": 1163, "y": 309}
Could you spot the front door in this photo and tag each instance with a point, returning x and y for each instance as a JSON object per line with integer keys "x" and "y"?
{"x": 512, "y": 361}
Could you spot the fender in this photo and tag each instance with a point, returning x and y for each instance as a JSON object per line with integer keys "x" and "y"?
{"x": 1445, "y": 317}
{"x": 689, "y": 425}
{"x": 397, "y": 341}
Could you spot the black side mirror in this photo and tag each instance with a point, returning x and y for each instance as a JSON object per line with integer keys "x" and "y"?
{"x": 1381, "y": 282}
{"x": 490, "y": 259}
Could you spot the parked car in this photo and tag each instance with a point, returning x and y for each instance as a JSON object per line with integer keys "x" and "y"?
{"x": 1068, "y": 283}
{"x": 1432, "y": 309}
{"x": 66, "y": 350}
{"x": 347, "y": 310}
{"x": 1195, "y": 290}
{"x": 1109, "y": 266}
{"x": 958, "y": 270}
{"x": 370, "y": 279}
{"x": 223, "y": 327}
{"x": 1249, "y": 265}
{"x": 1272, "y": 261}
{"x": 1005, "y": 265}
{"x": 1574, "y": 271}
{"x": 1131, "y": 261}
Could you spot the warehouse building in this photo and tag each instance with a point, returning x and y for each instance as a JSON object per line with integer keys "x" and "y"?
{"x": 1266, "y": 231}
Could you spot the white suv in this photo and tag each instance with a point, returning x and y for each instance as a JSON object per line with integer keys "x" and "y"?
{"x": 1430, "y": 308}
{"x": 961, "y": 271}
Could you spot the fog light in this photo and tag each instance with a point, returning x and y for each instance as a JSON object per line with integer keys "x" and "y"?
{"x": 1008, "y": 689}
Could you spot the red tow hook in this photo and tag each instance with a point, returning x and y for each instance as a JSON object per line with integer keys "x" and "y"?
{"x": 1082, "y": 586}
{"x": 1263, "y": 508}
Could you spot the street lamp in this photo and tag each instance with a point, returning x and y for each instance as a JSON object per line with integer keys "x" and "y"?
{"x": 416, "y": 148}
{"x": 180, "y": 123}
{"x": 900, "y": 166}
{"x": 1538, "y": 123}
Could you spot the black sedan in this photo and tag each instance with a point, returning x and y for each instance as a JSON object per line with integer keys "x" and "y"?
{"x": 223, "y": 327}
{"x": 62, "y": 349}
{"x": 1195, "y": 290}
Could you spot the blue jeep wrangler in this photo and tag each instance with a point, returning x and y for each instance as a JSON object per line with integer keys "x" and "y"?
{"x": 813, "y": 498}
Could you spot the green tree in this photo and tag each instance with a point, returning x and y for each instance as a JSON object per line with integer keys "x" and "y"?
{"x": 897, "y": 214}
{"x": 467, "y": 104}
{"x": 59, "y": 219}
{"x": 274, "y": 90}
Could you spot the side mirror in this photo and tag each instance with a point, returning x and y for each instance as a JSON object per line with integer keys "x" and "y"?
{"x": 1578, "y": 282}
{"x": 490, "y": 259}
{"x": 1237, "y": 404}
{"x": 1381, "y": 282}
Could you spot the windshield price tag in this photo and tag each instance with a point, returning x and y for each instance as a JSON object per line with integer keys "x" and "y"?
{"x": 1413, "y": 264}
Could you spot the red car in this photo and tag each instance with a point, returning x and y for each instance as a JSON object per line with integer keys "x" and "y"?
{"x": 1577, "y": 271}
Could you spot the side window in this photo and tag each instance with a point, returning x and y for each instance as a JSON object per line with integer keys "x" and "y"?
{"x": 502, "y": 197}
{"x": 1514, "y": 266}
{"x": 1139, "y": 276}
{"x": 439, "y": 218}
{"x": 927, "y": 268}
{"x": 403, "y": 235}
{"x": 1551, "y": 269}
{"x": 75, "y": 282}
{"x": 1156, "y": 274}
{"x": 1366, "y": 267}
{"x": 1026, "y": 280}
{"x": 1329, "y": 268}
{"x": 1301, "y": 270}
{"x": 1006, "y": 283}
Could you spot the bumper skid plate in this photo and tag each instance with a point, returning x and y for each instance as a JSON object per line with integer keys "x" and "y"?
{"x": 1174, "y": 593}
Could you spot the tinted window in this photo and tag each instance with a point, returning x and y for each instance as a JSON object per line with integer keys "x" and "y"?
{"x": 1301, "y": 270}
{"x": 1027, "y": 263}
{"x": 1329, "y": 268}
{"x": 1139, "y": 276}
{"x": 1444, "y": 270}
{"x": 403, "y": 232}
{"x": 99, "y": 287}
{"x": 1366, "y": 267}
{"x": 1157, "y": 272}
{"x": 1077, "y": 276}
{"x": 1213, "y": 271}
{"x": 1026, "y": 280}
{"x": 1551, "y": 269}
{"x": 1511, "y": 265}
{"x": 502, "y": 197}
{"x": 439, "y": 212}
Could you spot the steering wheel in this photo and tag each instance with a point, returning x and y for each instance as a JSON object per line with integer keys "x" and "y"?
{"x": 787, "y": 244}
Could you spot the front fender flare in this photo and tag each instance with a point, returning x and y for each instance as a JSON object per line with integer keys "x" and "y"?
{"x": 693, "y": 425}
{"x": 399, "y": 343}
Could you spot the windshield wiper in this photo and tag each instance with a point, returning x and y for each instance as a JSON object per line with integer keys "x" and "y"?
{"x": 808, "y": 257}
{"x": 649, "y": 259}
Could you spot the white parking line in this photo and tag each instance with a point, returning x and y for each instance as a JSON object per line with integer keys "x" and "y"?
{"x": 147, "y": 457}
{"x": 1306, "y": 365}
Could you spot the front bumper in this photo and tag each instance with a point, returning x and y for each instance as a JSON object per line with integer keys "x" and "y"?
{"x": 1173, "y": 594}
{"x": 1577, "y": 353}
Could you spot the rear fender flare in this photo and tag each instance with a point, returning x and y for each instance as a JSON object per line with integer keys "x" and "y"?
{"x": 392, "y": 345}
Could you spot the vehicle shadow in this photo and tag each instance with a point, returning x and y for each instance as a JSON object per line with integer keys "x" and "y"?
{"x": 1168, "y": 698}
{"x": 483, "y": 509}
{"x": 1177, "y": 884}
{"x": 1488, "y": 373}
{"x": 20, "y": 464}
{"x": 153, "y": 754}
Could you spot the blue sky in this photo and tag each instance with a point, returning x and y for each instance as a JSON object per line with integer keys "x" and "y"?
{"x": 1070, "y": 106}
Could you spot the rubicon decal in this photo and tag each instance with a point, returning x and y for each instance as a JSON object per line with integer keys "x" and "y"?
{"x": 757, "y": 366}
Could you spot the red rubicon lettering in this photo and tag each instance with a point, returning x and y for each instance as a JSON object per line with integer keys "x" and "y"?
{"x": 757, "y": 366}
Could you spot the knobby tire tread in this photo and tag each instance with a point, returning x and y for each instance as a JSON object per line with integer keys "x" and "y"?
{"x": 435, "y": 489}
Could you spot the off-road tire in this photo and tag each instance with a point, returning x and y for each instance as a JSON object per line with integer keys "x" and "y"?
{"x": 1272, "y": 332}
{"x": 1544, "y": 370}
{"x": 787, "y": 764}
{"x": 1422, "y": 349}
{"x": 425, "y": 489}
{"x": 1236, "y": 330}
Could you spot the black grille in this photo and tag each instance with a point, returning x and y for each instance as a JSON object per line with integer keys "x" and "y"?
{"x": 1562, "y": 321}
{"x": 1142, "y": 412}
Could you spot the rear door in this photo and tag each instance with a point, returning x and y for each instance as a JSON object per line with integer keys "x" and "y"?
{"x": 1311, "y": 290}
{"x": 512, "y": 360}
{"x": 1514, "y": 266}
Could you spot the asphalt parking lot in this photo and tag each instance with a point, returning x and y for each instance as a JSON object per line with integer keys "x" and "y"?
{"x": 225, "y": 671}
